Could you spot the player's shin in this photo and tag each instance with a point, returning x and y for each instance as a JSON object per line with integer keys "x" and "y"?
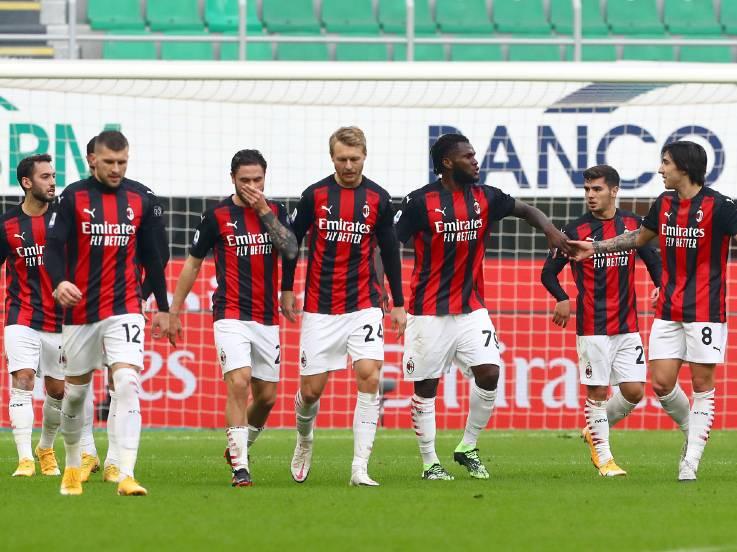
{"x": 306, "y": 414}
{"x": 598, "y": 426}
{"x": 72, "y": 418}
{"x": 128, "y": 418}
{"x": 20, "y": 410}
{"x": 423, "y": 421}
{"x": 618, "y": 408}
{"x": 112, "y": 456}
{"x": 253, "y": 433}
{"x": 479, "y": 413}
{"x": 677, "y": 407}
{"x": 701, "y": 418}
{"x": 365, "y": 420}
{"x": 238, "y": 447}
{"x": 87, "y": 441}
{"x": 51, "y": 422}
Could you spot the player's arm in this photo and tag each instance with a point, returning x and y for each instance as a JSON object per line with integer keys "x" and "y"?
{"x": 301, "y": 222}
{"x": 60, "y": 230}
{"x": 537, "y": 219}
{"x": 151, "y": 261}
{"x": 389, "y": 246}
{"x": 281, "y": 236}
{"x": 162, "y": 243}
{"x": 4, "y": 249}
{"x": 631, "y": 240}
{"x": 549, "y": 277}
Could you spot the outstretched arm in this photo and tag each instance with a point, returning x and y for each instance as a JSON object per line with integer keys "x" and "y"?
{"x": 536, "y": 218}
{"x": 631, "y": 240}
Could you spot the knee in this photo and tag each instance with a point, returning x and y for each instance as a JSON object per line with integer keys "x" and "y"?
{"x": 427, "y": 389}
{"x": 238, "y": 385}
{"x": 634, "y": 396}
{"x": 24, "y": 380}
{"x": 266, "y": 400}
{"x": 702, "y": 383}
{"x": 310, "y": 395}
{"x": 126, "y": 383}
{"x": 57, "y": 394}
{"x": 661, "y": 387}
{"x": 487, "y": 376}
{"x": 371, "y": 382}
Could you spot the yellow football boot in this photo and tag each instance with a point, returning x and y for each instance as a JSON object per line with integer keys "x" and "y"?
{"x": 90, "y": 464}
{"x": 71, "y": 482}
{"x": 610, "y": 469}
{"x": 586, "y": 436}
{"x": 111, "y": 473}
{"x": 26, "y": 468}
{"x": 131, "y": 487}
{"x": 47, "y": 459}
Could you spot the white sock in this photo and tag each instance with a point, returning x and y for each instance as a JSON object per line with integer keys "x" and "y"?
{"x": 20, "y": 409}
{"x": 306, "y": 415}
{"x": 238, "y": 446}
{"x": 112, "y": 458}
{"x": 253, "y": 433}
{"x": 423, "y": 420}
{"x": 598, "y": 424}
{"x": 72, "y": 418}
{"x": 479, "y": 412}
{"x": 365, "y": 420}
{"x": 51, "y": 422}
{"x": 699, "y": 425}
{"x": 87, "y": 441}
{"x": 676, "y": 405}
{"x": 127, "y": 418}
{"x": 618, "y": 408}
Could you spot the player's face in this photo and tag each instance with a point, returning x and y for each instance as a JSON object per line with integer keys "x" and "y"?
{"x": 464, "y": 164}
{"x": 43, "y": 182}
{"x": 109, "y": 165}
{"x": 672, "y": 175}
{"x": 599, "y": 196}
{"x": 248, "y": 175}
{"x": 348, "y": 162}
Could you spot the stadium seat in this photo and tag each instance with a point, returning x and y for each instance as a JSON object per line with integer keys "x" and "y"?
{"x": 255, "y": 51}
{"x": 354, "y": 51}
{"x": 290, "y": 16}
{"x": 707, "y": 54}
{"x": 594, "y": 52}
{"x": 520, "y": 16}
{"x": 117, "y": 49}
{"x": 423, "y": 52}
{"x": 534, "y": 52}
{"x": 649, "y": 53}
{"x": 174, "y": 15}
{"x": 119, "y": 16}
{"x": 476, "y": 52}
{"x": 633, "y": 17}
{"x": 354, "y": 17}
{"x": 302, "y": 51}
{"x": 689, "y": 17}
{"x": 393, "y": 17}
{"x": 463, "y": 17}
{"x": 728, "y": 17}
{"x": 222, "y": 16}
{"x": 187, "y": 50}
{"x": 592, "y": 23}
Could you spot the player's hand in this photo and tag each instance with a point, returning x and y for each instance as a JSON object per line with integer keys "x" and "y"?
{"x": 398, "y": 317}
{"x": 160, "y": 325}
{"x": 287, "y": 302}
{"x": 385, "y": 302}
{"x": 580, "y": 249}
{"x": 175, "y": 328}
{"x": 256, "y": 199}
{"x": 654, "y": 296}
{"x": 558, "y": 243}
{"x": 67, "y": 294}
{"x": 562, "y": 313}
{"x": 144, "y": 304}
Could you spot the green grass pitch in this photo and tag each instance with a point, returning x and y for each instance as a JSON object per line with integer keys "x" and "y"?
{"x": 543, "y": 495}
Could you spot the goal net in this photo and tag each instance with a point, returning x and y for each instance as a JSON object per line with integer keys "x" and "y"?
{"x": 535, "y": 128}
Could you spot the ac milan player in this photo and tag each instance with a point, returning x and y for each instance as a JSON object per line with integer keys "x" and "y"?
{"x": 100, "y": 228}
{"x": 447, "y": 221}
{"x": 607, "y": 335}
{"x": 694, "y": 224}
{"x": 347, "y": 215}
{"x": 247, "y": 233}
{"x": 32, "y": 320}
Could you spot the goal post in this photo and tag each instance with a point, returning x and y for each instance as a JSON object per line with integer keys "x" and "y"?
{"x": 535, "y": 128}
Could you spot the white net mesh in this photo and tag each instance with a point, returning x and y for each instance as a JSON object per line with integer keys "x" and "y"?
{"x": 533, "y": 139}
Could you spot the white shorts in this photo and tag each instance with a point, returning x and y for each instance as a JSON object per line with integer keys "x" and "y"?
{"x": 28, "y": 348}
{"x": 702, "y": 342}
{"x": 245, "y": 343}
{"x": 611, "y": 359}
{"x": 117, "y": 339}
{"x": 327, "y": 340}
{"x": 433, "y": 343}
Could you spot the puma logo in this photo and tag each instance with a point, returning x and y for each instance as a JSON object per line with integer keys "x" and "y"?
{"x": 667, "y": 215}
{"x": 329, "y": 209}
{"x": 90, "y": 212}
{"x": 441, "y": 211}
{"x": 232, "y": 224}
{"x": 20, "y": 236}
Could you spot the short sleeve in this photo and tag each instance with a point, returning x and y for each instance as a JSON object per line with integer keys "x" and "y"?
{"x": 651, "y": 219}
{"x": 409, "y": 219}
{"x": 205, "y": 236}
{"x": 500, "y": 204}
{"x": 726, "y": 217}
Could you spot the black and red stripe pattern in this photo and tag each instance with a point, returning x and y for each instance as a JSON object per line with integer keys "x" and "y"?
{"x": 449, "y": 231}
{"x": 28, "y": 299}
{"x": 694, "y": 239}
{"x": 246, "y": 262}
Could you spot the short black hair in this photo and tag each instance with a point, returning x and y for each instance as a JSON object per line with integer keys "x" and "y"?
{"x": 247, "y": 157}
{"x": 91, "y": 145}
{"x": 609, "y": 173}
{"x": 112, "y": 140}
{"x": 27, "y": 166}
{"x": 689, "y": 157}
{"x": 442, "y": 147}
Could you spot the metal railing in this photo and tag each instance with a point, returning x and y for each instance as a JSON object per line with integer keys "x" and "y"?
{"x": 72, "y": 37}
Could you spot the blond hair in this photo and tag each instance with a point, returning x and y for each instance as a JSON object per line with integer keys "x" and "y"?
{"x": 350, "y": 136}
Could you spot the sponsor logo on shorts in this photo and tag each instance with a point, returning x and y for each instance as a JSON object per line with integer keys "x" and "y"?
{"x": 303, "y": 360}
{"x": 410, "y": 366}
{"x": 223, "y": 357}
{"x": 589, "y": 370}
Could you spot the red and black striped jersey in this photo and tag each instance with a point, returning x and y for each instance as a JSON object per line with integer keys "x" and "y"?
{"x": 246, "y": 262}
{"x": 345, "y": 225}
{"x": 694, "y": 239}
{"x": 28, "y": 291}
{"x": 606, "y": 302}
{"x": 449, "y": 231}
{"x": 96, "y": 231}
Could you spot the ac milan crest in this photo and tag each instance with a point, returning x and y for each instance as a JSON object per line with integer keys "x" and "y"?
{"x": 303, "y": 360}
{"x": 366, "y": 210}
{"x": 476, "y": 207}
{"x": 410, "y": 366}
{"x": 589, "y": 371}
{"x": 223, "y": 358}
